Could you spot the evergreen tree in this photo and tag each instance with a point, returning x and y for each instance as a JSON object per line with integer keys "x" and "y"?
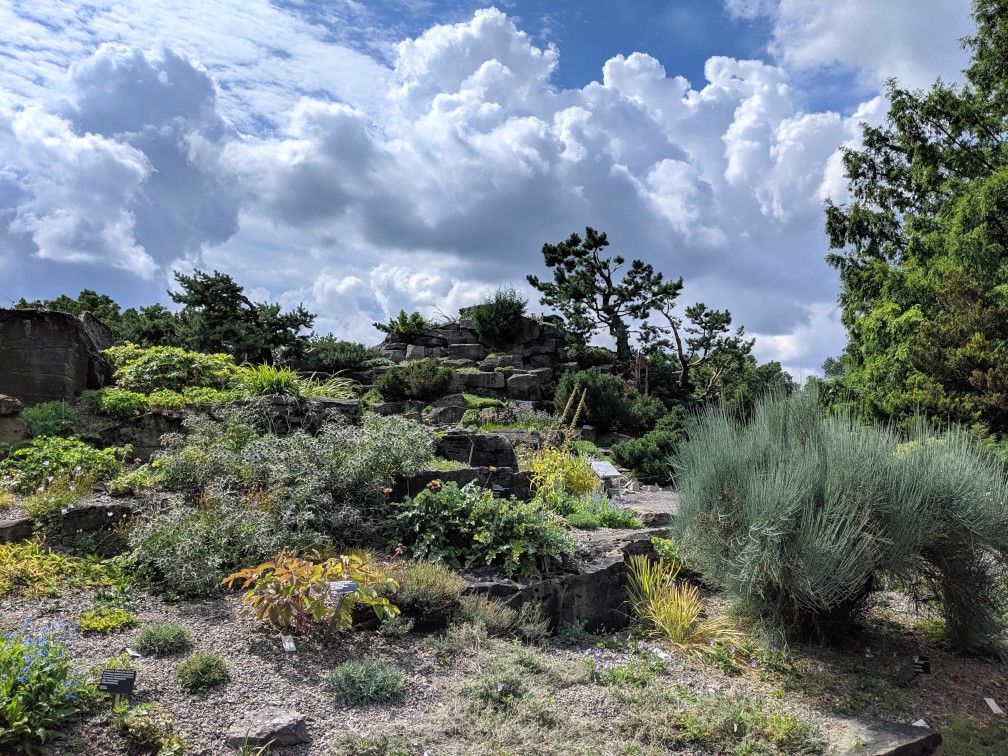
{"x": 923, "y": 264}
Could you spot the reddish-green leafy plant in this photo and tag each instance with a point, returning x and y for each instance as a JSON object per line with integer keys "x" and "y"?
{"x": 293, "y": 592}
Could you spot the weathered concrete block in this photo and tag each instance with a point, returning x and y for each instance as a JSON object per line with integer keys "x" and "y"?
{"x": 49, "y": 356}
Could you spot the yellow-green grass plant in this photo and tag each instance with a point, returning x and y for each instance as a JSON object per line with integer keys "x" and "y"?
{"x": 673, "y": 609}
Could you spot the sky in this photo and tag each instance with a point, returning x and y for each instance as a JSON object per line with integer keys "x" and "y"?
{"x": 363, "y": 157}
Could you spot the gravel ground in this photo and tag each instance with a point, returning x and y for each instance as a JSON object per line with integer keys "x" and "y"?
{"x": 262, "y": 673}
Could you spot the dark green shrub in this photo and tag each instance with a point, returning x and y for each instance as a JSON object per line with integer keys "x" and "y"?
{"x": 202, "y": 671}
{"x": 465, "y": 526}
{"x": 327, "y": 355}
{"x": 162, "y": 639}
{"x": 364, "y": 681}
{"x": 650, "y": 456}
{"x": 795, "y": 515}
{"x": 588, "y": 357}
{"x": 422, "y": 380}
{"x": 31, "y": 465}
{"x": 392, "y": 385}
{"x": 407, "y": 326}
{"x": 162, "y": 367}
{"x": 605, "y": 400}
{"x": 50, "y": 419}
{"x": 115, "y": 402}
{"x": 641, "y": 412}
{"x": 499, "y": 318}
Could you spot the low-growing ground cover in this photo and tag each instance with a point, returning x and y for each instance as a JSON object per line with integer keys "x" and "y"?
{"x": 465, "y": 691}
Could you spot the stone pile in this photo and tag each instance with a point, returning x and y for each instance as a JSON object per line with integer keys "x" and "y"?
{"x": 517, "y": 370}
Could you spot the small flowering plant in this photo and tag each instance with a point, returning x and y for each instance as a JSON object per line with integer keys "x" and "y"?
{"x": 59, "y": 492}
{"x": 39, "y": 684}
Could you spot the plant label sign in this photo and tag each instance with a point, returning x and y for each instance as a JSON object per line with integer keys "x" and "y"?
{"x": 342, "y": 587}
{"x": 922, "y": 665}
{"x": 117, "y": 681}
{"x": 288, "y": 643}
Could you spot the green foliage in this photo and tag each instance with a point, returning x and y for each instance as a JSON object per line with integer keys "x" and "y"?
{"x": 365, "y": 681}
{"x": 467, "y": 526}
{"x": 531, "y": 625}
{"x": 588, "y": 357}
{"x": 29, "y": 569}
{"x": 269, "y": 380}
{"x": 59, "y": 493}
{"x": 163, "y": 639}
{"x": 407, "y": 326}
{"x": 641, "y": 412}
{"x": 586, "y": 290}
{"x": 423, "y": 380}
{"x": 497, "y": 690}
{"x": 673, "y": 609}
{"x": 962, "y": 738}
{"x": 740, "y": 724}
{"x": 31, "y": 465}
{"x": 293, "y": 593}
{"x": 201, "y": 672}
{"x": 593, "y": 511}
{"x": 794, "y": 515}
{"x": 247, "y": 495}
{"x": 150, "y": 726}
{"x": 511, "y": 415}
{"x": 921, "y": 248}
{"x": 40, "y": 686}
{"x": 427, "y": 589}
{"x": 606, "y": 401}
{"x": 498, "y": 319}
{"x": 495, "y": 618}
{"x": 145, "y": 370}
{"x": 555, "y": 472}
{"x": 115, "y": 402}
{"x": 263, "y": 380}
{"x": 106, "y": 620}
{"x": 50, "y": 419}
{"x": 218, "y": 317}
{"x": 473, "y": 402}
{"x": 649, "y": 457}
{"x": 327, "y": 355}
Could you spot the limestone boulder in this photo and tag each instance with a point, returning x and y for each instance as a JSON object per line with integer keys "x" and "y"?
{"x": 52, "y": 356}
{"x": 269, "y": 726}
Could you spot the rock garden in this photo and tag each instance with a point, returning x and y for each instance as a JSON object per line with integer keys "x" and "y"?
{"x": 467, "y": 540}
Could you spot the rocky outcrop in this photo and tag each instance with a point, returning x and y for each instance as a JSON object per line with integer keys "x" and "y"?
{"x": 520, "y": 369}
{"x": 12, "y": 427}
{"x": 49, "y": 356}
{"x": 594, "y": 592}
{"x": 503, "y": 481}
{"x": 476, "y": 449}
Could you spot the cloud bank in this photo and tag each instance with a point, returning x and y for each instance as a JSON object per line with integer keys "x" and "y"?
{"x": 425, "y": 182}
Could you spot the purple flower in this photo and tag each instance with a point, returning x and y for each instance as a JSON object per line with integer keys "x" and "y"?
{"x": 713, "y": 643}
{"x": 752, "y": 663}
{"x": 500, "y": 687}
{"x": 821, "y": 667}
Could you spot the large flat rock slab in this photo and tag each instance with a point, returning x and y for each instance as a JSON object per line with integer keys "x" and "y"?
{"x": 877, "y": 737}
{"x": 654, "y": 509}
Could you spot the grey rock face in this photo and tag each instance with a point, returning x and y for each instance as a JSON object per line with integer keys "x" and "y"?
{"x": 477, "y": 449}
{"x": 49, "y": 356}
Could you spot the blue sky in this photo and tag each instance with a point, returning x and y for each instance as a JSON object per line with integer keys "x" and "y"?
{"x": 363, "y": 157}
